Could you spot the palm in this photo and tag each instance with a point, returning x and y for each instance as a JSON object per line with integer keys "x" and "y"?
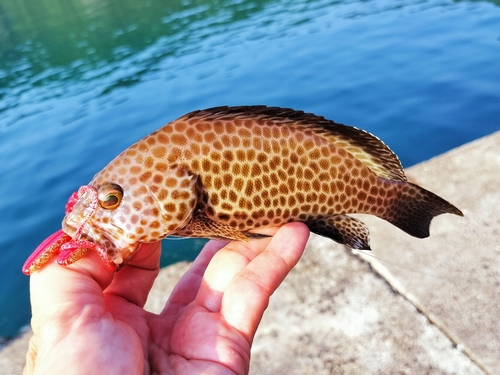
{"x": 186, "y": 336}
{"x": 207, "y": 324}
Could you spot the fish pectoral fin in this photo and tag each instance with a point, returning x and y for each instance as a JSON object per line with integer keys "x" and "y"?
{"x": 202, "y": 226}
{"x": 343, "y": 229}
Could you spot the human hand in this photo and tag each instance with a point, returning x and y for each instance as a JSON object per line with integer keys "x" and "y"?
{"x": 89, "y": 320}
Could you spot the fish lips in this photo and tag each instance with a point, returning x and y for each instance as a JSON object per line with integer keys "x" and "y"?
{"x": 110, "y": 237}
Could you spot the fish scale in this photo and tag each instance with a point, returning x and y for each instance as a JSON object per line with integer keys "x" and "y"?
{"x": 224, "y": 172}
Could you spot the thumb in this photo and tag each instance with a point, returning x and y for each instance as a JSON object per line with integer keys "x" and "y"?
{"x": 62, "y": 290}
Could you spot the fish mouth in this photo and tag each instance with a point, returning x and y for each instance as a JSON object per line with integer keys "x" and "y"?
{"x": 80, "y": 210}
{"x": 95, "y": 238}
{"x": 78, "y": 230}
{"x": 82, "y": 224}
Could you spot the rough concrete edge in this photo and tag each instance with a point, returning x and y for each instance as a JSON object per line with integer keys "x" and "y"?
{"x": 381, "y": 271}
{"x": 395, "y": 285}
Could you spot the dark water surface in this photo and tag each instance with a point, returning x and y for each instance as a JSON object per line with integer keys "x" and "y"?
{"x": 82, "y": 80}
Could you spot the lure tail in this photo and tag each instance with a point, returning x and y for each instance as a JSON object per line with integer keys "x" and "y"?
{"x": 411, "y": 208}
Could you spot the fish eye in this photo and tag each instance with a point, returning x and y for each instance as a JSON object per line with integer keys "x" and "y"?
{"x": 110, "y": 196}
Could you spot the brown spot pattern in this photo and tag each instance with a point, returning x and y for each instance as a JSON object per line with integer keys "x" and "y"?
{"x": 230, "y": 170}
{"x": 259, "y": 158}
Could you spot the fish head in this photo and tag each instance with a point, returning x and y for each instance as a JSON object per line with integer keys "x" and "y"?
{"x": 98, "y": 214}
{"x": 121, "y": 215}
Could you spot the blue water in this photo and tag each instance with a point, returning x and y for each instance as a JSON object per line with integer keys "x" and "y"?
{"x": 81, "y": 81}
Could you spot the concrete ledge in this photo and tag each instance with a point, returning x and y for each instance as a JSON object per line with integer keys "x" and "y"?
{"x": 423, "y": 307}
{"x": 453, "y": 277}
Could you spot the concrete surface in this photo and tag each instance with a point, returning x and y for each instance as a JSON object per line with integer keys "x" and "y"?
{"x": 420, "y": 307}
{"x": 453, "y": 277}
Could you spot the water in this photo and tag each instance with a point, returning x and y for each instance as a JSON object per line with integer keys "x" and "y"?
{"x": 80, "y": 81}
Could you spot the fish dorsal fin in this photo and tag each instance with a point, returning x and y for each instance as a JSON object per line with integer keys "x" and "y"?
{"x": 365, "y": 147}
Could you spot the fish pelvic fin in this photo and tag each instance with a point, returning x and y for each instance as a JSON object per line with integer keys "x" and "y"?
{"x": 413, "y": 208}
{"x": 343, "y": 229}
{"x": 201, "y": 226}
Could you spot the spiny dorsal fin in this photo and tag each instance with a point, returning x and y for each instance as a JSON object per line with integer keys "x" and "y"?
{"x": 365, "y": 147}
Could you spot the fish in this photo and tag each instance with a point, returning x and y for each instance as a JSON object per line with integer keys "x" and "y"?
{"x": 225, "y": 172}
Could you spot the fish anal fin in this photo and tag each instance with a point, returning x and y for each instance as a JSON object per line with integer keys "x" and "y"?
{"x": 343, "y": 229}
{"x": 201, "y": 226}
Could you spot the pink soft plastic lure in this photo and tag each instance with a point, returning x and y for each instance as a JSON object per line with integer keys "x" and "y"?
{"x": 68, "y": 249}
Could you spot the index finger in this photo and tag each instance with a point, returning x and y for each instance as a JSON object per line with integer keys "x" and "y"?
{"x": 247, "y": 295}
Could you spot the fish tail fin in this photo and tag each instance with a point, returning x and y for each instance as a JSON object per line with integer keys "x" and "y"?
{"x": 412, "y": 208}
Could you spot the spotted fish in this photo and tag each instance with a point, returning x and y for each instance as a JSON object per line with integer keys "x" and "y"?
{"x": 224, "y": 172}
